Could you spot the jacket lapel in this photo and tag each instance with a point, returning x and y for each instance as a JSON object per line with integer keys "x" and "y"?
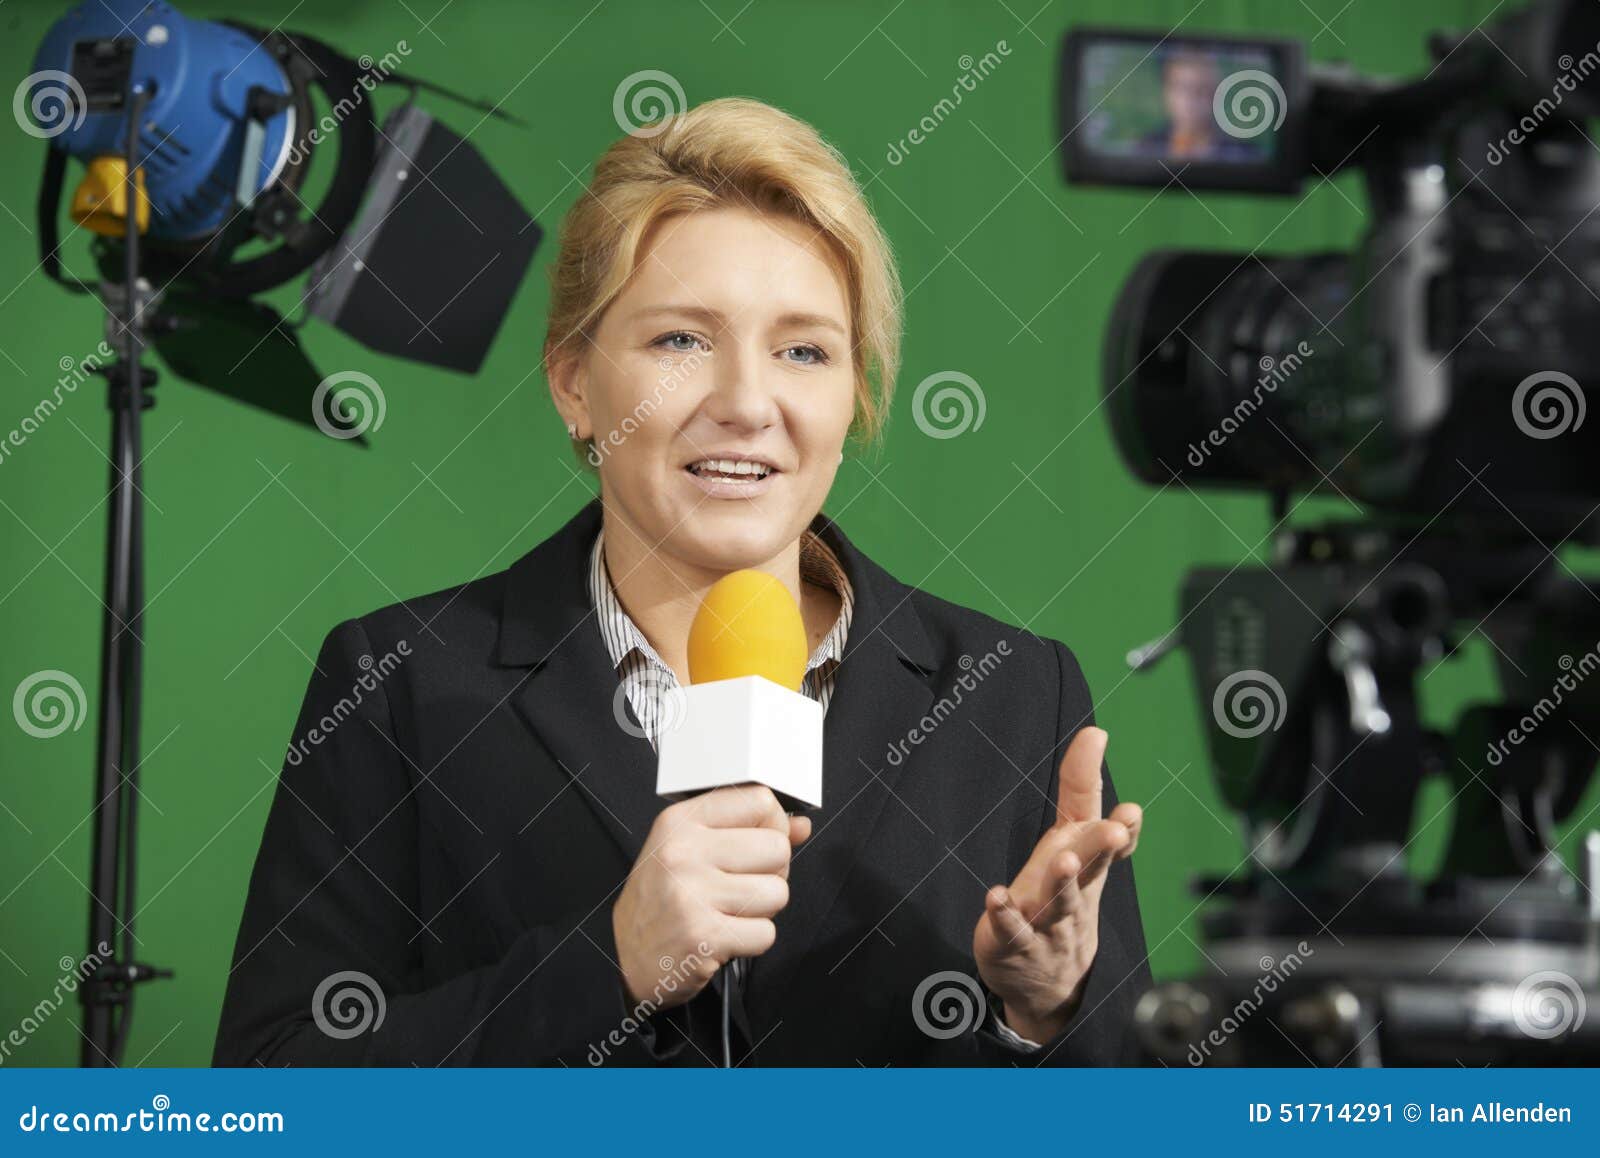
{"x": 882, "y": 689}
{"x": 548, "y": 623}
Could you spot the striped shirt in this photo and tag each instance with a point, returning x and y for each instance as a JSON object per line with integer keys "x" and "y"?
{"x": 649, "y": 682}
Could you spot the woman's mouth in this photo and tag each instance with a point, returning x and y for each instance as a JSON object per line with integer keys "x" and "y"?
{"x": 729, "y": 478}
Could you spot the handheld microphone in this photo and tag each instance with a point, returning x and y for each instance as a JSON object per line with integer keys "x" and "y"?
{"x": 744, "y": 719}
{"x": 743, "y": 716}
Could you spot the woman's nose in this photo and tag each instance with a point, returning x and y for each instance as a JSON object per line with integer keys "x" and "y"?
{"x": 740, "y": 396}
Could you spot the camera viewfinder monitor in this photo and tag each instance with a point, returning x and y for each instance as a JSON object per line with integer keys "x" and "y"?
{"x": 1203, "y": 112}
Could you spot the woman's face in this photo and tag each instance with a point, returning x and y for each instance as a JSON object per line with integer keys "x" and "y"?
{"x": 728, "y": 351}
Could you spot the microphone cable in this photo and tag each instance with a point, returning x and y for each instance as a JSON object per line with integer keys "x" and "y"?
{"x": 727, "y": 1036}
{"x": 733, "y": 974}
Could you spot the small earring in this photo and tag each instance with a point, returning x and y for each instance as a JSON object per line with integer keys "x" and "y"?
{"x": 572, "y": 430}
{"x": 841, "y": 456}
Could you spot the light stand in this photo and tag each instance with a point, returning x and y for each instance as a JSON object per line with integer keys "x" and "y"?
{"x": 112, "y": 874}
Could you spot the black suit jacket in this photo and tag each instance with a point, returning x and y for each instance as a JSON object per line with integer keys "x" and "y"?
{"x": 459, "y": 809}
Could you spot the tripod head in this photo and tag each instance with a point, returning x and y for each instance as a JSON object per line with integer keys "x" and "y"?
{"x": 1308, "y": 671}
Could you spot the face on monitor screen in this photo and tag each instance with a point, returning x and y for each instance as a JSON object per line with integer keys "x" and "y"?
{"x": 1213, "y": 113}
{"x": 1179, "y": 103}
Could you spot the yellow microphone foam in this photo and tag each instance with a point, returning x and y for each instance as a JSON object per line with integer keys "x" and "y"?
{"x": 748, "y": 625}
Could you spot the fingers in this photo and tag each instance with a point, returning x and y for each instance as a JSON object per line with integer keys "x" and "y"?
{"x": 748, "y": 850}
{"x": 1062, "y": 890}
{"x": 1078, "y": 787}
{"x": 1012, "y": 928}
{"x": 1095, "y": 845}
{"x": 1088, "y": 840}
{"x": 747, "y": 936}
{"x": 799, "y": 830}
{"x": 1067, "y": 867}
{"x": 744, "y": 806}
{"x": 749, "y": 894}
{"x": 1131, "y": 817}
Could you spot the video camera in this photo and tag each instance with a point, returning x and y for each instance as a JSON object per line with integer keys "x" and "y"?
{"x": 1448, "y": 346}
{"x": 1434, "y": 377}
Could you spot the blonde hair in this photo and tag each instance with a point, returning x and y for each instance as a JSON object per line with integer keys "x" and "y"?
{"x": 731, "y": 152}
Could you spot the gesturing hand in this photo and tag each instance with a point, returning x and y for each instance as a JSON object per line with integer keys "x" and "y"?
{"x": 1037, "y": 938}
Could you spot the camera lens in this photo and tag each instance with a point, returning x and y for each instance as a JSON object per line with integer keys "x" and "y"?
{"x": 1219, "y": 372}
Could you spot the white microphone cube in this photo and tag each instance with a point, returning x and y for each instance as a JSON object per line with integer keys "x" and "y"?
{"x": 741, "y": 731}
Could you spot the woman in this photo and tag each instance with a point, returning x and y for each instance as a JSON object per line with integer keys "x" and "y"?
{"x": 465, "y": 861}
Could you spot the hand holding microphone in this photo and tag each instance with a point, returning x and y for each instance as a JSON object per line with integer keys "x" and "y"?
{"x": 714, "y": 869}
{"x": 711, "y": 876}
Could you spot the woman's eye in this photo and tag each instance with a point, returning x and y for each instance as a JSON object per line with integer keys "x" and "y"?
{"x": 811, "y": 355}
{"x": 679, "y": 342}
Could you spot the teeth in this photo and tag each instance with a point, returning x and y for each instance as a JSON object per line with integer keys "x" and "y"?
{"x": 728, "y": 466}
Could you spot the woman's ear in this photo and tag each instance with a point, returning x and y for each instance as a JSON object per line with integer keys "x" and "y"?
{"x": 564, "y": 372}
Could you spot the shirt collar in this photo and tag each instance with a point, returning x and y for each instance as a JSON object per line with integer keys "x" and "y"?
{"x": 818, "y": 564}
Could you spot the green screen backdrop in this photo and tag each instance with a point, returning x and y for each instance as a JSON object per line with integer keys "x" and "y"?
{"x": 263, "y": 534}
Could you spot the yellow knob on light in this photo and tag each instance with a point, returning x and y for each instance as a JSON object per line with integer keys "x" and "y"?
{"x": 100, "y": 202}
{"x": 748, "y": 625}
